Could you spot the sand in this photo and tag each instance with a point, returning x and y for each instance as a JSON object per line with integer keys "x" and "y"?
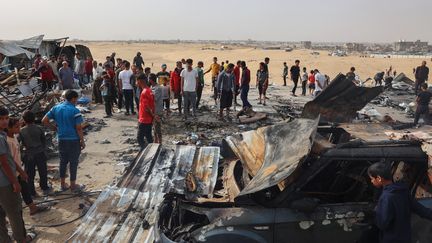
{"x": 99, "y": 166}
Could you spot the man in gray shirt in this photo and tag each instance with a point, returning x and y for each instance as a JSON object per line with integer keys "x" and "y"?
{"x": 226, "y": 89}
{"x": 157, "y": 92}
{"x": 66, "y": 76}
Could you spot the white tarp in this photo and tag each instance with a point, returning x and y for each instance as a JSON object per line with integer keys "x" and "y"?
{"x": 30, "y": 43}
{"x": 10, "y": 49}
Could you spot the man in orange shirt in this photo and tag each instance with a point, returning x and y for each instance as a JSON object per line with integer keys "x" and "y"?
{"x": 215, "y": 69}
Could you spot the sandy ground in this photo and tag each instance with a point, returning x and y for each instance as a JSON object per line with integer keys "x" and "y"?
{"x": 102, "y": 163}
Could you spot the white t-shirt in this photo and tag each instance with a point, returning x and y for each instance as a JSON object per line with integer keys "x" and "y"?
{"x": 125, "y": 77}
{"x": 190, "y": 77}
{"x": 322, "y": 80}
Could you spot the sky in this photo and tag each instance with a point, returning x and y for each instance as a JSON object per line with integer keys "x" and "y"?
{"x": 273, "y": 20}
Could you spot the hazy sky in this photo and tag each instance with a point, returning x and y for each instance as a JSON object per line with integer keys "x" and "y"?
{"x": 284, "y": 20}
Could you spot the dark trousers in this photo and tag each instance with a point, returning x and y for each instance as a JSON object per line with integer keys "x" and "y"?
{"x": 97, "y": 96}
{"x": 214, "y": 88}
{"x": 284, "y": 79}
{"x": 39, "y": 161}
{"x": 166, "y": 103}
{"x": 422, "y": 110}
{"x": 108, "y": 105}
{"x": 46, "y": 85}
{"x": 10, "y": 207}
{"x": 69, "y": 154}
{"x": 244, "y": 96}
{"x": 136, "y": 98}
{"x": 295, "y": 81}
{"x": 128, "y": 97}
{"x": 304, "y": 87}
{"x": 199, "y": 93}
{"x": 120, "y": 100}
{"x": 179, "y": 102}
{"x": 417, "y": 85}
{"x": 81, "y": 79}
{"x": 144, "y": 133}
{"x": 25, "y": 191}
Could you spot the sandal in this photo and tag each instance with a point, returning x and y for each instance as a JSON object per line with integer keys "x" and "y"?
{"x": 41, "y": 208}
{"x": 31, "y": 236}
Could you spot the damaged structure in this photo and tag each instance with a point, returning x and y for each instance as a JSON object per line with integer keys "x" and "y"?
{"x": 291, "y": 182}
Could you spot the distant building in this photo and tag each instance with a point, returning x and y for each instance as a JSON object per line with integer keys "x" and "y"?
{"x": 354, "y": 47}
{"x": 407, "y": 46}
{"x": 306, "y": 44}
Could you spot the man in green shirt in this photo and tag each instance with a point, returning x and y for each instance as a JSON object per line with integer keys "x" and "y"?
{"x": 200, "y": 88}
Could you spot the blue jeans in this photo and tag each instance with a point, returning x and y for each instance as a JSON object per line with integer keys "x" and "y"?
{"x": 244, "y": 96}
{"x": 70, "y": 151}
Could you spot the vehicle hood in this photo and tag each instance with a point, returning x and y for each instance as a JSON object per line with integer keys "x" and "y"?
{"x": 271, "y": 154}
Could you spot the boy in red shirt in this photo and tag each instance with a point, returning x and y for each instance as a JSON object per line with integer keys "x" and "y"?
{"x": 146, "y": 112}
{"x": 88, "y": 66}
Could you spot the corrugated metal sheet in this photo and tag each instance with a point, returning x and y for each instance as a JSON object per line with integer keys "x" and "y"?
{"x": 119, "y": 212}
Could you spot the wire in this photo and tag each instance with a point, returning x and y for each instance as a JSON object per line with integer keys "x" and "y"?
{"x": 59, "y": 224}
{"x": 65, "y": 198}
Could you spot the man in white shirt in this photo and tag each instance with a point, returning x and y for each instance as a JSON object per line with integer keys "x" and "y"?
{"x": 126, "y": 88}
{"x": 189, "y": 85}
{"x": 320, "y": 82}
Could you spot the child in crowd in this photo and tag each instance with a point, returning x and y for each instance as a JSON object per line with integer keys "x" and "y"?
{"x": 311, "y": 82}
{"x": 105, "y": 89}
{"x": 304, "y": 79}
{"x": 166, "y": 95}
{"x": 12, "y": 130}
{"x": 393, "y": 210}
{"x": 33, "y": 139}
{"x": 157, "y": 91}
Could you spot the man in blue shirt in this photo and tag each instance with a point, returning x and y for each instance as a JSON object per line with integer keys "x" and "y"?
{"x": 68, "y": 124}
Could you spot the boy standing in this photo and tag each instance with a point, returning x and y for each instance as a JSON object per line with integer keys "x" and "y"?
{"x": 10, "y": 199}
{"x": 393, "y": 210}
{"x": 200, "y": 88}
{"x": 33, "y": 139}
{"x": 285, "y": 73}
{"x": 304, "y": 79}
{"x": 423, "y": 100}
{"x": 105, "y": 89}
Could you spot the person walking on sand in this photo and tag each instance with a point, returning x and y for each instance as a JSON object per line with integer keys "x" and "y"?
{"x": 68, "y": 125}
{"x": 189, "y": 85}
{"x": 421, "y": 75}
{"x": 285, "y": 73}
{"x": 215, "y": 68}
{"x": 295, "y": 75}
{"x": 138, "y": 61}
{"x": 226, "y": 90}
{"x": 304, "y": 79}
{"x": 146, "y": 114}
{"x": 175, "y": 85}
{"x": 261, "y": 82}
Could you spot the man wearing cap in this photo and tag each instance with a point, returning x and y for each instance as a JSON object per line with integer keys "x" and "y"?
{"x": 45, "y": 73}
{"x": 66, "y": 76}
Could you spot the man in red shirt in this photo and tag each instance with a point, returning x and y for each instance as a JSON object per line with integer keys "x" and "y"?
{"x": 45, "y": 73}
{"x": 245, "y": 80}
{"x": 237, "y": 80}
{"x": 146, "y": 112}
{"x": 175, "y": 84}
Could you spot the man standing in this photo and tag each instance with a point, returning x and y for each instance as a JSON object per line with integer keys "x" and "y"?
{"x": 54, "y": 65}
{"x": 79, "y": 69}
{"x": 423, "y": 100}
{"x": 163, "y": 74}
{"x": 108, "y": 62}
{"x": 126, "y": 88}
{"x": 10, "y": 199}
{"x": 285, "y": 73}
{"x": 68, "y": 125}
{"x": 244, "y": 88}
{"x": 88, "y": 66}
{"x": 351, "y": 74}
{"x": 200, "y": 88}
{"x": 226, "y": 89}
{"x": 175, "y": 85}
{"x": 138, "y": 60}
{"x": 66, "y": 76}
{"x": 266, "y": 68}
{"x": 320, "y": 82}
{"x": 421, "y": 75}
{"x": 146, "y": 113}
{"x": 118, "y": 69}
{"x": 304, "y": 79}
{"x": 236, "y": 73}
{"x": 215, "y": 69}
{"x": 157, "y": 94}
{"x": 189, "y": 85}
{"x": 295, "y": 75}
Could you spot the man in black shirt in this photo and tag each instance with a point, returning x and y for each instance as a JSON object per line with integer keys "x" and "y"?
{"x": 421, "y": 75}
{"x": 423, "y": 99}
{"x": 295, "y": 74}
{"x": 351, "y": 74}
{"x": 138, "y": 60}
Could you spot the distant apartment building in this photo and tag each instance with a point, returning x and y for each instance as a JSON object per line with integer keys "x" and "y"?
{"x": 306, "y": 44}
{"x": 407, "y": 46}
{"x": 354, "y": 47}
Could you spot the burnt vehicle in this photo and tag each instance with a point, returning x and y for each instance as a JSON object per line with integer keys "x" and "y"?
{"x": 295, "y": 182}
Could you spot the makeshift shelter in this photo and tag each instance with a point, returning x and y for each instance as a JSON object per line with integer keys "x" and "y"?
{"x": 12, "y": 55}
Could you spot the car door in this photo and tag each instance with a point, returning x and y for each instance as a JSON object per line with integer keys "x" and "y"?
{"x": 346, "y": 222}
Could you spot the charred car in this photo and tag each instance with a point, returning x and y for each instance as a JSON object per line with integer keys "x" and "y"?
{"x": 294, "y": 182}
